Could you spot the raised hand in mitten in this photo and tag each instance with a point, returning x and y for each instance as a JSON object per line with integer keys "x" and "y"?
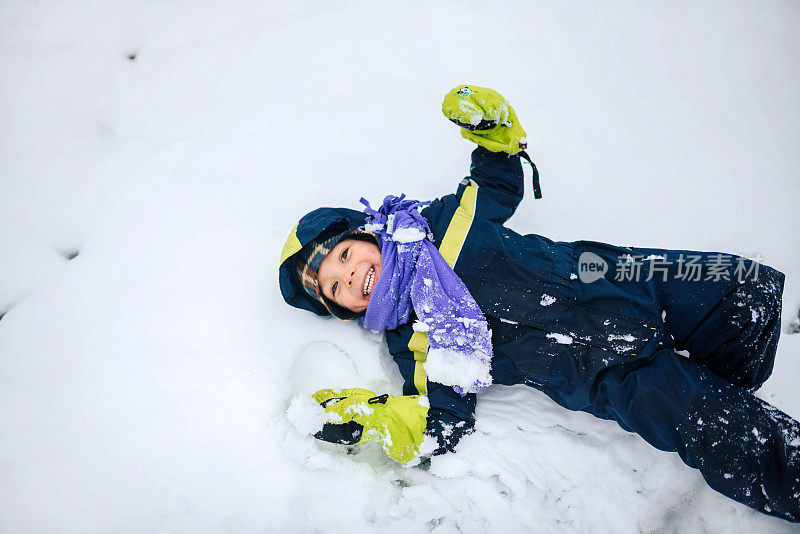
{"x": 485, "y": 118}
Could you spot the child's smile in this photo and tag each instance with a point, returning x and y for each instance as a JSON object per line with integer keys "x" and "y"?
{"x": 349, "y": 272}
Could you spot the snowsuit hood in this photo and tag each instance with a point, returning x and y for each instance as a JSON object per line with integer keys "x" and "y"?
{"x": 319, "y": 224}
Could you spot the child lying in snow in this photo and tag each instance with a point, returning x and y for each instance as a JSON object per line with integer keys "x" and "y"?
{"x": 465, "y": 302}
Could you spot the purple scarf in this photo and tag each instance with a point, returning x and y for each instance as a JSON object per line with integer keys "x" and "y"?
{"x": 415, "y": 275}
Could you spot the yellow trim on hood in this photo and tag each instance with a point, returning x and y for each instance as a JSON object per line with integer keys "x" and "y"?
{"x": 292, "y": 245}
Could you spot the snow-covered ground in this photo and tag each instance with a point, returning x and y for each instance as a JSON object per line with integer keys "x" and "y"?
{"x": 171, "y": 145}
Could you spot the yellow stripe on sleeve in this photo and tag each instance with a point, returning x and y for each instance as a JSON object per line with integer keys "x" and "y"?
{"x": 419, "y": 346}
{"x": 459, "y": 226}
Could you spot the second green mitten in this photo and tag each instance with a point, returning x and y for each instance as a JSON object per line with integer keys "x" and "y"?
{"x": 357, "y": 415}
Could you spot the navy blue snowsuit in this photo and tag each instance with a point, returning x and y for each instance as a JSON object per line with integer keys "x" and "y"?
{"x": 608, "y": 346}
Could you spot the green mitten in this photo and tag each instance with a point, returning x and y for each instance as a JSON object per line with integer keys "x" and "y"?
{"x": 485, "y": 117}
{"x": 357, "y": 415}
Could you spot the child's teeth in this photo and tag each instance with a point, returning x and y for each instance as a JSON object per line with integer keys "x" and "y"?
{"x": 368, "y": 281}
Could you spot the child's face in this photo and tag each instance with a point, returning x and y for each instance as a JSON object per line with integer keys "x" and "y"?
{"x": 349, "y": 272}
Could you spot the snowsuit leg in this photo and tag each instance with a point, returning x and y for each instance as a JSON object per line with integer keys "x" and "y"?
{"x": 729, "y": 326}
{"x": 744, "y": 448}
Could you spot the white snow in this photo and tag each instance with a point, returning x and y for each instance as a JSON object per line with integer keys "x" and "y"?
{"x": 145, "y": 384}
{"x": 562, "y": 339}
{"x": 419, "y": 326}
{"x": 453, "y": 368}
{"x": 362, "y": 408}
{"x": 408, "y": 235}
{"x": 624, "y": 337}
{"x": 306, "y": 414}
{"x": 373, "y": 227}
{"x": 547, "y": 300}
{"x": 475, "y": 113}
{"x": 334, "y": 417}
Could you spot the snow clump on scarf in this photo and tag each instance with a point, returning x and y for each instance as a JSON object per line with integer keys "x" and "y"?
{"x": 416, "y": 276}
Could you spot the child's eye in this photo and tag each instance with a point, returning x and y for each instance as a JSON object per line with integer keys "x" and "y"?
{"x": 333, "y": 288}
{"x": 344, "y": 254}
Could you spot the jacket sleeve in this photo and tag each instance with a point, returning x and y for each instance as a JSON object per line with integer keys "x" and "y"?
{"x": 500, "y": 181}
{"x": 450, "y": 416}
